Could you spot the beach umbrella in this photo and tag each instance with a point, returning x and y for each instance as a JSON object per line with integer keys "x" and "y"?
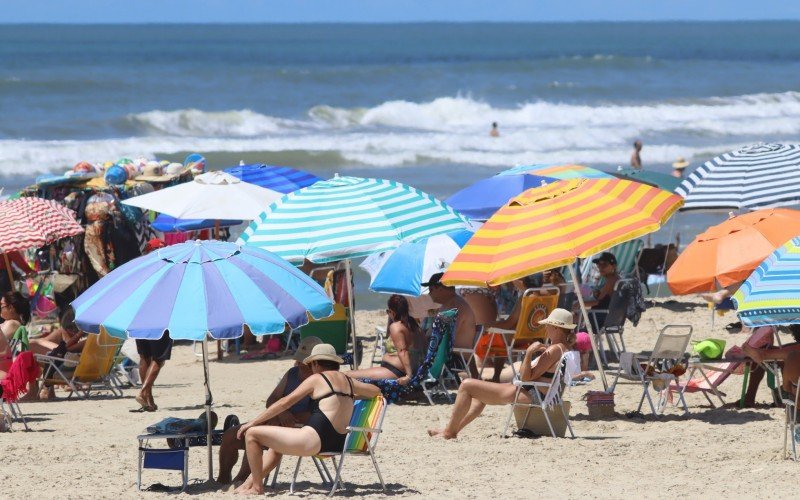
{"x": 758, "y": 176}
{"x": 657, "y": 179}
{"x": 482, "y": 199}
{"x": 771, "y": 295}
{"x": 200, "y": 288}
{"x": 559, "y": 171}
{"x": 168, "y": 224}
{"x": 553, "y": 225}
{"x": 726, "y": 254}
{"x": 405, "y": 268}
{"x": 348, "y": 217}
{"x": 213, "y": 195}
{"x": 280, "y": 179}
{"x": 31, "y": 223}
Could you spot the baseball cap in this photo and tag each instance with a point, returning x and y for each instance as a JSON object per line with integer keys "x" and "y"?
{"x": 606, "y": 257}
{"x": 434, "y": 280}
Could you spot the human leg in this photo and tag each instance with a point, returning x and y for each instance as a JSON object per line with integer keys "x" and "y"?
{"x": 229, "y": 454}
{"x": 376, "y": 372}
{"x": 302, "y": 442}
{"x": 791, "y": 372}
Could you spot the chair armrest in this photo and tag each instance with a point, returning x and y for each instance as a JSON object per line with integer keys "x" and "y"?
{"x": 520, "y": 383}
{"x": 501, "y": 331}
{"x": 53, "y": 359}
{"x": 363, "y": 429}
{"x": 463, "y": 349}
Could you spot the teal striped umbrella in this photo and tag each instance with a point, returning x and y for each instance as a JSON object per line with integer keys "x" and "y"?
{"x": 348, "y": 217}
{"x": 771, "y": 295}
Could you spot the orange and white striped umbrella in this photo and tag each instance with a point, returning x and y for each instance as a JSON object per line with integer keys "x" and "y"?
{"x": 552, "y": 225}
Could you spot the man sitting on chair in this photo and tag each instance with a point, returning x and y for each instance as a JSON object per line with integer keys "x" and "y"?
{"x": 297, "y": 414}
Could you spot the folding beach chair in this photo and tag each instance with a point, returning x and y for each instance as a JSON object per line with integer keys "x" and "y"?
{"x": 653, "y": 369}
{"x": 790, "y": 426}
{"x": 362, "y": 438}
{"x": 19, "y": 341}
{"x": 438, "y": 373}
{"x": 93, "y": 372}
{"x": 610, "y": 323}
{"x": 553, "y": 396}
{"x": 498, "y": 343}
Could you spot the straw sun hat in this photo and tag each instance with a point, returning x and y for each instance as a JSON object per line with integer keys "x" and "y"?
{"x": 560, "y": 318}
{"x": 680, "y": 163}
{"x": 323, "y": 352}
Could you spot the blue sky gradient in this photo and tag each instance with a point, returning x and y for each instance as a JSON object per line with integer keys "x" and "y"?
{"x": 302, "y": 11}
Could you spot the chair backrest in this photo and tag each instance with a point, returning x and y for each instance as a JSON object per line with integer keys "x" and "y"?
{"x": 331, "y": 330}
{"x": 97, "y": 356}
{"x": 671, "y": 346}
{"x": 19, "y": 341}
{"x": 441, "y": 357}
{"x": 559, "y": 381}
{"x": 439, "y": 346}
{"x": 534, "y": 308}
{"x": 367, "y": 413}
{"x": 617, "y": 308}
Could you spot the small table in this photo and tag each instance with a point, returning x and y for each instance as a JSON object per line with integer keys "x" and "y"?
{"x": 167, "y": 458}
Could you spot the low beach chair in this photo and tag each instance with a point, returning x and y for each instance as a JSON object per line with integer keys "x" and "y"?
{"x": 552, "y": 398}
{"x": 363, "y": 432}
{"x": 610, "y": 323}
{"x": 499, "y": 343}
{"x": 19, "y": 341}
{"x": 653, "y": 369}
{"x": 93, "y": 372}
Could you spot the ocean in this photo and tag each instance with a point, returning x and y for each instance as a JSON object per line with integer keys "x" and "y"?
{"x": 412, "y": 102}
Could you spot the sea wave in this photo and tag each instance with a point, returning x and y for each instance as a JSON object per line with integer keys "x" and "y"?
{"x": 444, "y": 130}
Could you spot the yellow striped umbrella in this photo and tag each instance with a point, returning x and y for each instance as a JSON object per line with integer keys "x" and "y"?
{"x": 552, "y": 225}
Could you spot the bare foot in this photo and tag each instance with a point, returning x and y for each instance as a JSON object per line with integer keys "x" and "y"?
{"x": 442, "y": 433}
{"x": 142, "y": 400}
{"x": 252, "y": 491}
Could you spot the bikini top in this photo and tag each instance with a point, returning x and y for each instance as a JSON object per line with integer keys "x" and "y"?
{"x": 333, "y": 392}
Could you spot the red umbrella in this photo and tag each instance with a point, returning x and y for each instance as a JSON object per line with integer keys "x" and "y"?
{"x": 33, "y": 222}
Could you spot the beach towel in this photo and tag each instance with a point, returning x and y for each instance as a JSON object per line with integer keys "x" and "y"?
{"x": 23, "y": 371}
{"x": 632, "y": 290}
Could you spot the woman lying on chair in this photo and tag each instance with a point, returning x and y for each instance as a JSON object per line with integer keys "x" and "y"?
{"x": 332, "y": 394}
{"x": 404, "y": 349}
{"x": 474, "y": 395}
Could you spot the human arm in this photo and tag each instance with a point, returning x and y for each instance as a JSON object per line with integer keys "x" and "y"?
{"x": 510, "y": 323}
{"x": 277, "y": 393}
{"x": 365, "y": 391}
{"x": 606, "y": 290}
{"x": 533, "y": 370}
{"x": 397, "y": 332}
{"x": 306, "y": 388}
{"x": 5, "y": 349}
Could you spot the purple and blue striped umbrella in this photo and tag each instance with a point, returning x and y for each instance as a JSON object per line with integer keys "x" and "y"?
{"x": 201, "y": 287}
{"x": 277, "y": 178}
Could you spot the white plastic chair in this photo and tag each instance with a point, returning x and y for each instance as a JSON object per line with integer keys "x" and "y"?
{"x": 552, "y": 397}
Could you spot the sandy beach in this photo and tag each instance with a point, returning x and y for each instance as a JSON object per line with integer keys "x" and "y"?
{"x": 87, "y": 448}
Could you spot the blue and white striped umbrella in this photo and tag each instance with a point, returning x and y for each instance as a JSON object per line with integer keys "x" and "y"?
{"x": 348, "y": 217}
{"x": 758, "y": 176}
{"x": 276, "y": 178}
{"x": 201, "y": 287}
{"x": 404, "y": 269}
{"x": 771, "y": 295}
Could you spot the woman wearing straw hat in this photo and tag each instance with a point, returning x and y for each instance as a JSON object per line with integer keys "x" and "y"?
{"x": 678, "y": 167}
{"x": 332, "y": 394}
{"x": 474, "y": 394}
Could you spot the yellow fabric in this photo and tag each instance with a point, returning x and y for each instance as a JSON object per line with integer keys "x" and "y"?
{"x": 97, "y": 357}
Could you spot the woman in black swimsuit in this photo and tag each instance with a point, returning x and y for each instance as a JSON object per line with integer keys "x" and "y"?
{"x": 332, "y": 394}
{"x": 474, "y": 395}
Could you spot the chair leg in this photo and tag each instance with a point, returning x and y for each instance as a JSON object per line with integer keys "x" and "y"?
{"x": 20, "y": 415}
{"x": 338, "y": 477}
{"x": 375, "y": 464}
{"x": 294, "y": 476}
{"x": 566, "y": 419}
{"x": 324, "y": 473}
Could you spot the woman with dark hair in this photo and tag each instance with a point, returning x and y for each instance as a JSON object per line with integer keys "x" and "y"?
{"x": 15, "y": 311}
{"x": 404, "y": 351}
{"x": 332, "y": 395}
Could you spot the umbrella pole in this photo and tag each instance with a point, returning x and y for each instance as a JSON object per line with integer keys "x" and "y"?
{"x": 8, "y": 270}
{"x": 351, "y": 303}
{"x": 209, "y": 400}
{"x": 588, "y": 324}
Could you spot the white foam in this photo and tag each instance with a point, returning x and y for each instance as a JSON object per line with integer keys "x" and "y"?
{"x": 447, "y": 130}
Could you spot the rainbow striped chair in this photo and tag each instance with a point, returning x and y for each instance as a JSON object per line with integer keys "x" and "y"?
{"x": 362, "y": 437}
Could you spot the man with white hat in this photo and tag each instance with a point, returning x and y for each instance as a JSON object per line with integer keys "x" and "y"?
{"x": 297, "y": 414}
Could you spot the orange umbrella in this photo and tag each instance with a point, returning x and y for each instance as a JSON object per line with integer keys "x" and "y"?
{"x": 726, "y": 254}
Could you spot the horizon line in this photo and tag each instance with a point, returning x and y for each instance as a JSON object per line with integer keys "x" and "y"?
{"x": 258, "y": 23}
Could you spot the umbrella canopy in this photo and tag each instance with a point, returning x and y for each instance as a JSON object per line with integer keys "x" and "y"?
{"x": 348, "y": 217}
{"x": 280, "y": 179}
{"x": 657, "y": 179}
{"x": 727, "y": 253}
{"x": 553, "y": 225}
{"x": 167, "y": 224}
{"x": 404, "y": 269}
{"x": 33, "y": 222}
{"x": 482, "y": 199}
{"x": 771, "y": 295}
{"x": 213, "y": 195}
{"x": 559, "y": 171}
{"x": 201, "y": 287}
{"x": 752, "y": 177}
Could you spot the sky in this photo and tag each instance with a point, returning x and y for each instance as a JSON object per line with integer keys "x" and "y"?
{"x": 301, "y": 11}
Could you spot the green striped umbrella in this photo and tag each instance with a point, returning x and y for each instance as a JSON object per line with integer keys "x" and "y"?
{"x": 348, "y": 217}
{"x": 657, "y": 179}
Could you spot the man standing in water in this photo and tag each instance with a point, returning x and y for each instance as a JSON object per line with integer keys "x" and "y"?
{"x": 636, "y": 160}
{"x": 494, "y": 132}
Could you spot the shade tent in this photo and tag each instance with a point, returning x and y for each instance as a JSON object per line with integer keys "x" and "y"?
{"x": 553, "y": 225}
{"x": 201, "y": 288}
{"x": 482, "y": 199}
{"x": 758, "y": 176}
{"x": 771, "y": 295}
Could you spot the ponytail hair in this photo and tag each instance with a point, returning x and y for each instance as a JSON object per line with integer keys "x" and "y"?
{"x": 399, "y": 306}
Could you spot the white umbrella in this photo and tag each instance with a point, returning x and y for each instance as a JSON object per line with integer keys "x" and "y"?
{"x": 213, "y": 195}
